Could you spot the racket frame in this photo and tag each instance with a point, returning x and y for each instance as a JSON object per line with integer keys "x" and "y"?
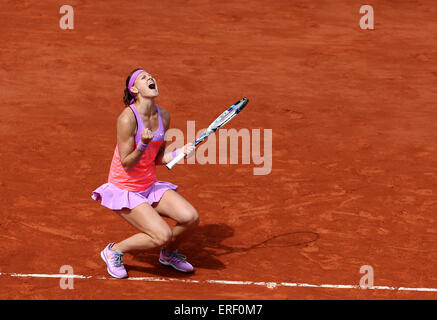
{"x": 219, "y": 122}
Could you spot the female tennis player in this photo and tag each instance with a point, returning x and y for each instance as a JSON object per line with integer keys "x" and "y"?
{"x": 133, "y": 191}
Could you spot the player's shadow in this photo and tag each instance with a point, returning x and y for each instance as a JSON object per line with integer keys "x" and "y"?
{"x": 202, "y": 247}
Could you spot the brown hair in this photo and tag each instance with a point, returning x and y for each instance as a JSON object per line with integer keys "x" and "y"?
{"x": 128, "y": 96}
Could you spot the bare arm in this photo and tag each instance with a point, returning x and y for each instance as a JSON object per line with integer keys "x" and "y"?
{"x": 165, "y": 157}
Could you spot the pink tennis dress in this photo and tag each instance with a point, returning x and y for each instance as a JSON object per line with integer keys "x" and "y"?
{"x": 128, "y": 189}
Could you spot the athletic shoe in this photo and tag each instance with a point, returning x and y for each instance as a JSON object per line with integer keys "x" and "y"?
{"x": 114, "y": 261}
{"x": 175, "y": 260}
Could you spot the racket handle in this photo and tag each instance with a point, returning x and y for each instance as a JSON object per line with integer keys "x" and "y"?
{"x": 178, "y": 158}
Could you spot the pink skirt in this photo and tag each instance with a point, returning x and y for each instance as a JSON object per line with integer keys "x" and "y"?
{"x": 115, "y": 198}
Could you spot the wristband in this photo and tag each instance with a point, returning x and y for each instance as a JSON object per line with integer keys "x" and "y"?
{"x": 142, "y": 146}
{"x": 174, "y": 154}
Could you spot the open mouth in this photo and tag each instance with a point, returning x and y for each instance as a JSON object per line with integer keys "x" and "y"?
{"x": 152, "y": 86}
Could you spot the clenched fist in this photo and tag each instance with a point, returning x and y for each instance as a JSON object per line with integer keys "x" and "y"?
{"x": 188, "y": 149}
{"x": 146, "y": 135}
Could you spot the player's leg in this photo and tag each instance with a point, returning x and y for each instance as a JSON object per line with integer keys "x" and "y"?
{"x": 174, "y": 206}
{"x": 154, "y": 231}
{"x": 177, "y": 208}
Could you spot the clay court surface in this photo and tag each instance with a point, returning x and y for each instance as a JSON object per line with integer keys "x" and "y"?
{"x": 353, "y": 114}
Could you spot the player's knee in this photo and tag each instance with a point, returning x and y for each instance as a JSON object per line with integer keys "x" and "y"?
{"x": 190, "y": 217}
{"x": 162, "y": 236}
{"x": 196, "y": 219}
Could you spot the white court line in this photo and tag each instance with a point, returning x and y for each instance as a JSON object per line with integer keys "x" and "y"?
{"x": 269, "y": 285}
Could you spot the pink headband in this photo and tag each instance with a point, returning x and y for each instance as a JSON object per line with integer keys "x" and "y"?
{"x": 132, "y": 81}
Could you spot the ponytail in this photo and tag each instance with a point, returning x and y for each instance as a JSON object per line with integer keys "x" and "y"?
{"x": 128, "y": 96}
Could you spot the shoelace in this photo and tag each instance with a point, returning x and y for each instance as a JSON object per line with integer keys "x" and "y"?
{"x": 118, "y": 259}
{"x": 176, "y": 255}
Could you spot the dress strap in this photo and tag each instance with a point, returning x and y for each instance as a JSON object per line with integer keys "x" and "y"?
{"x": 140, "y": 125}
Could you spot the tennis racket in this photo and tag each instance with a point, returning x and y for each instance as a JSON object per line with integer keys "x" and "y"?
{"x": 224, "y": 118}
